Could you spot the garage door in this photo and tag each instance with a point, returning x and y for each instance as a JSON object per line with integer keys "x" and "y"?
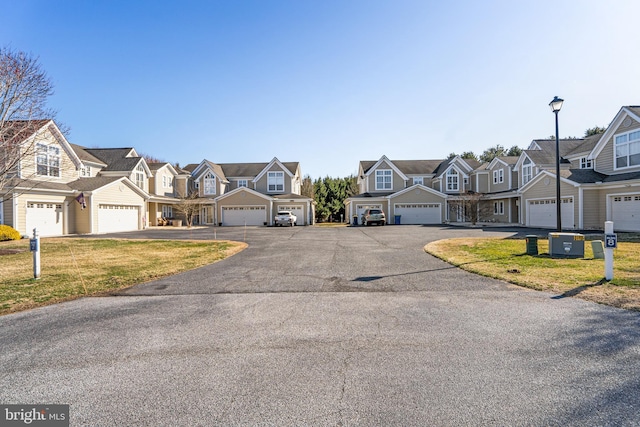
{"x": 244, "y": 215}
{"x": 361, "y": 208}
{"x": 418, "y": 213}
{"x": 297, "y": 210}
{"x": 46, "y": 217}
{"x": 542, "y": 213}
{"x": 625, "y": 213}
{"x": 116, "y": 218}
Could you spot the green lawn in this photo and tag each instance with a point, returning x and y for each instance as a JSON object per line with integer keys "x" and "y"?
{"x": 72, "y": 268}
{"x": 506, "y": 259}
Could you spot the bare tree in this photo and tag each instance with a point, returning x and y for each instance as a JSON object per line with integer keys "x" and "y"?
{"x": 24, "y": 90}
{"x": 469, "y": 207}
{"x": 188, "y": 207}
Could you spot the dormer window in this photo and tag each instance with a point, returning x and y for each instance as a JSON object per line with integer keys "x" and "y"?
{"x": 384, "y": 180}
{"x": 585, "y": 163}
{"x": 527, "y": 171}
{"x": 47, "y": 160}
{"x": 275, "y": 182}
{"x": 627, "y": 146}
{"x": 209, "y": 184}
{"x": 85, "y": 171}
{"x": 242, "y": 183}
{"x": 418, "y": 180}
{"x": 452, "y": 180}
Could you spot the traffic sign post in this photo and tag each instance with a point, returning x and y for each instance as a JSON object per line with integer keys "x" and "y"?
{"x": 610, "y": 242}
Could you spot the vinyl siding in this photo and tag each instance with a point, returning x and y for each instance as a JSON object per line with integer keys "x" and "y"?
{"x": 68, "y": 170}
{"x": 542, "y": 190}
{"x": 397, "y": 181}
{"x": 605, "y": 161}
{"x": 594, "y": 207}
{"x": 504, "y": 185}
{"x": 115, "y": 194}
{"x": 416, "y": 196}
{"x": 243, "y": 198}
{"x": 262, "y": 184}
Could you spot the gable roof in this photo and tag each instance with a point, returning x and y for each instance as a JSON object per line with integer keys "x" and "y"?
{"x": 632, "y": 111}
{"x": 402, "y": 167}
{"x": 17, "y": 131}
{"x": 267, "y": 168}
{"x": 210, "y": 166}
{"x": 157, "y": 166}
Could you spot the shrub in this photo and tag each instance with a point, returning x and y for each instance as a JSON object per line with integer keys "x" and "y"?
{"x": 8, "y": 233}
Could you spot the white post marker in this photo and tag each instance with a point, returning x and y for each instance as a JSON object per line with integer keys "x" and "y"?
{"x": 34, "y": 246}
{"x": 610, "y": 243}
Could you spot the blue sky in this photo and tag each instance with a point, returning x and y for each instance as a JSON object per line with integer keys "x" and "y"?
{"x": 328, "y": 83}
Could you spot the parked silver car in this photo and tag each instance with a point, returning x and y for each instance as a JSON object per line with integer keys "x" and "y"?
{"x": 373, "y": 216}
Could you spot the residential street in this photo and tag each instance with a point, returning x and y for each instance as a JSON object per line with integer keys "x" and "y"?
{"x": 327, "y": 326}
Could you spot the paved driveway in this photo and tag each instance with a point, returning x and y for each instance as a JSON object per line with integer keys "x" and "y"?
{"x": 318, "y": 326}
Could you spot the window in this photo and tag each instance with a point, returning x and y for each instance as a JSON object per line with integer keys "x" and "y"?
{"x": 275, "y": 182}
{"x": 498, "y": 208}
{"x": 167, "y": 212}
{"x": 418, "y": 180}
{"x": 85, "y": 171}
{"x": 384, "y": 179}
{"x": 164, "y": 181}
{"x": 527, "y": 171}
{"x": 47, "y": 160}
{"x": 585, "y": 163}
{"x": 209, "y": 184}
{"x": 242, "y": 183}
{"x": 627, "y": 148}
{"x": 452, "y": 180}
{"x": 139, "y": 176}
{"x": 498, "y": 176}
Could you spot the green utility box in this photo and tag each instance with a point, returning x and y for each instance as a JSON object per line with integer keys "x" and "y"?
{"x": 532, "y": 245}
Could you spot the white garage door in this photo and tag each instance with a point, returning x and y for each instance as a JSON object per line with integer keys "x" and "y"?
{"x": 542, "y": 213}
{"x": 361, "y": 208}
{"x": 625, "y": 213}
{"x": 46, "y": 217}
{"x": 297, "y": 210}
{"x": 244, "y": 215}
{"x": 417, "y": 213}
{"x": 116, "y": 218}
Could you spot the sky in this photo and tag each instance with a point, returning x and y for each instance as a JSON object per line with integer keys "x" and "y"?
{"x": 327, "y": 83}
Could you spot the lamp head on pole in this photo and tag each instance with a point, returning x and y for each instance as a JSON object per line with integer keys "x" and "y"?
{"x": 556, "y": 104}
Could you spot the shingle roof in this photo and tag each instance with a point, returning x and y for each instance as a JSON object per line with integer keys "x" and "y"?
{"x": 252, "y": 169}
{"x": 91, "y": 184}
{"x": 115, "y": 158}
{"x": 587, "y": 145}
{"x": 582, "y": 176}
{"x": 84, "y": 155}
{"x": 407, "y": 167}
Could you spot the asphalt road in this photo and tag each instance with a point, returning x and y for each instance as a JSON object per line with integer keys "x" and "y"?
{"x": 321, "y": 326}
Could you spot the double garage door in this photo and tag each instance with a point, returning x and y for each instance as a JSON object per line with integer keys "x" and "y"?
{"x": 417, "y": 213}
{"x": 45, "y": 217}
{"x": 244, "y": 215}
{"x": 542, "y": 213}
{"x": 625, "y": 212}
{"x": 116, "y": 218}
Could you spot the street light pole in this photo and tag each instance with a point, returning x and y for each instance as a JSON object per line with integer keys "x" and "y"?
{"x": 556, "y": 105}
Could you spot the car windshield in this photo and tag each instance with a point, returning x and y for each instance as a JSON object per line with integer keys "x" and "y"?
{"x": 285, "y": 213}
{"x": 375, "y": 211}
